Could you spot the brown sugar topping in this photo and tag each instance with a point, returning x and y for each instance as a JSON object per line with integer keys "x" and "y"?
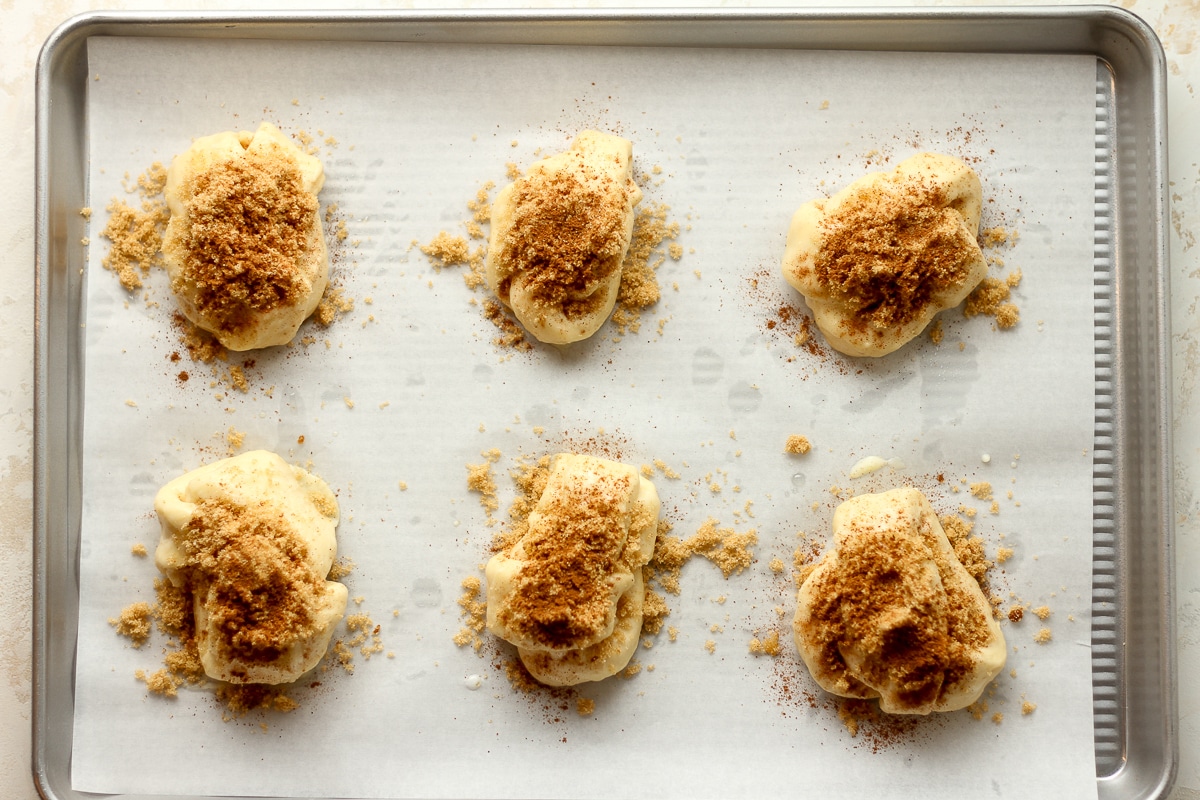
{"x": 887, "y": 252}
{"x": 248, "y": 223}
{"x": 262, "y": 593}
{"x": 567, "y": 239}
{"x": 925, "y": 648}
{"x": 562, "y": 595}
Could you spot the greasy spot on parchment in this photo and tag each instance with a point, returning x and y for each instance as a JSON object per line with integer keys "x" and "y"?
{"x": 16, "y": 590}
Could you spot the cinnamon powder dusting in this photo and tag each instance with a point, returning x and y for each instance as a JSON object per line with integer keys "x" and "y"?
{"x": 248, "y": 222}
{"x": 888, "y": 252}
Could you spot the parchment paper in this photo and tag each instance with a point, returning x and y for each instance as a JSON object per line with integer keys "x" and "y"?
{"x": 409, "y": 388}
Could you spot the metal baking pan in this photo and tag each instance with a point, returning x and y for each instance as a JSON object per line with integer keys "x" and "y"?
{"x": 1133, "y": 658}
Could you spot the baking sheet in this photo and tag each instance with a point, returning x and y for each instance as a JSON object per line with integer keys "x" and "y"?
{"x": 741, "y": 142}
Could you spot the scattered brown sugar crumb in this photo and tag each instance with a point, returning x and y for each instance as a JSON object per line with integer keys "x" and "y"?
{"x": 1042, "y": 612}
{"x": 728, "y": 550}
{"x": 160, "y": 682}
{"x": 480, "y": 479}
{"x": 201, "y": 345}
{"x": 1003, "y": 554}
{"x": 997, "y": 718}
{"x": 990, "y": 297}
{"x": 585, "y": 706}
{"x": 512, "y": 335}
{"x": 662, "y": 467}
{"x": 776, "y": 565}
{"x": 340, "y": 569}
{"x": 343, "y": 656}
{"x": 797, "y": 445}
{"x": 1027, "y": 708}
{"x": 998, "y": 237}
{"x": 630, "y": 671}
{"x": 241, "y": 699}
{"x": 977, "y": 709}
{"x": 186, "y": 665}
{"x": 968, "y": 548}
{"x": 447, "y": 250}
{"x": 134, "y": 623}
{"x": 334, "y": 303}
{"x": 654, "y": 611}
{"x": 639, "y": 281}
{"x": 365, "y": 634}
{"x": 139, "y": 550}
{"x": 473, "y": 614}
{"x": 247, "y": 226}
{"x": 136, "y": 235}
{"x": 710, "y": 646}
{"x": 767, "y": 646}
{"x": 1042, "y": 636}
{"x": 1016, "y": 614}
{"x": 936, "y": 334}
{"x": 237, "y": 377}
{"x": 519, "y": 678}
{"x": 235, "y": 438}
{"x": 982, "y": 490}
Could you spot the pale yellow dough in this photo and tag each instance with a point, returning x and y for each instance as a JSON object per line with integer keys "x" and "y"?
{"x": 839, "y": 311}
{"x": 890, "y": 612}
{"x": 582, "y": 493}
{"x": 534, "y": 263}
{"x": 257, "y": 479}
{"x": 275, "y": 326}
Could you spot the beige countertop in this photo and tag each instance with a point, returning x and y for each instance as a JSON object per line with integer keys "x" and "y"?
{"x": 27, "y": 23}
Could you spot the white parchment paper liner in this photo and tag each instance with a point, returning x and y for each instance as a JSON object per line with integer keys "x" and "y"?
{"x": 742, "y": 137}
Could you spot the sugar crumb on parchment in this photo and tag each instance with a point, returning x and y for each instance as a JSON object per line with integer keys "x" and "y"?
{"x": 767, "y": 645}
{"x": 797, "y": 445}
{"x": 982, "y": 490}
{"x": 134, "y": 623}
{"x": 135, "y": 234}
{"x": 991, "y": 297}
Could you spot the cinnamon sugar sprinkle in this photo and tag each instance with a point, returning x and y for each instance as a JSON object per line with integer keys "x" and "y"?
{"x": 888, "y": 252}
{"x": 248, "y": 223}
{"x": 561, "y": 594}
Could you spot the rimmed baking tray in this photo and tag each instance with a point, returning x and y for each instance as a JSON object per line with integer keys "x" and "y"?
{"x": 1132, "y": 604}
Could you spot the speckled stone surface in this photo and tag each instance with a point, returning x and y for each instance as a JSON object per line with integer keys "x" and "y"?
{"x": 25, "y": 26}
